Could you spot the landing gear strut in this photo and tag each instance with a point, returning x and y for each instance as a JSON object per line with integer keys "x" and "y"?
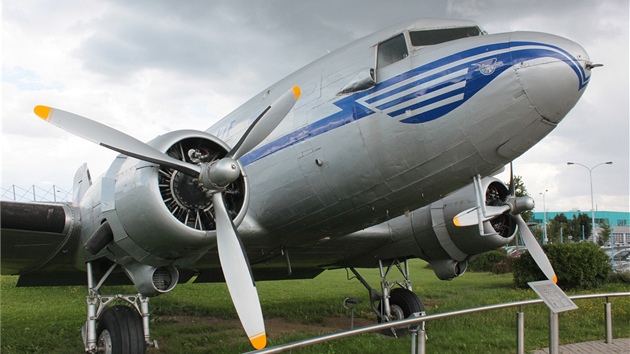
{"x": 119, "y": 329}
{"x": 393, "y": 303}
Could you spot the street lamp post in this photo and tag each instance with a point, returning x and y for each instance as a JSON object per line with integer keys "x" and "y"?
{"x": 590, "y": 174}
{"x": 545, "y": 240}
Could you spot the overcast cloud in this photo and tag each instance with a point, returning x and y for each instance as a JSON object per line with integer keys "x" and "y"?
{"x": 147, "y": 67}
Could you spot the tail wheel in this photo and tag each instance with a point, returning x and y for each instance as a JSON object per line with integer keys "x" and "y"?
{"x": 120, "y": 331}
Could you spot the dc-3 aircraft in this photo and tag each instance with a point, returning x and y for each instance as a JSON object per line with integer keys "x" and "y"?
{"x": 388, "y": 154}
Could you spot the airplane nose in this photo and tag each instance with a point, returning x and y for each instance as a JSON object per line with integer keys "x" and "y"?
{"x": 552, "y": 70}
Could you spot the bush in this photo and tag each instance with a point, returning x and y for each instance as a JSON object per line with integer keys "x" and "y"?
{"x": 620, "y": 277}
{"x": 485, "y": 261}
{"x": 502, "y": 267}
{"x": 577, "y": 265}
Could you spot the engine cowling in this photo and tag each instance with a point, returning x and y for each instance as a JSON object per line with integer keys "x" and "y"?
{"x": 160, "y": 216}
{"x": 448, "y": 247}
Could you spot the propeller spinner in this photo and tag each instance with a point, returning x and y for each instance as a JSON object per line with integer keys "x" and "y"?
{"x": 214, "y": 177}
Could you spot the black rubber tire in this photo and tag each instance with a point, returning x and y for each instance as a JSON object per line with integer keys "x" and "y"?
{"x": 403, "y": 303}
{"x": 124, "y": 325}
{"x": 407, "y": 300}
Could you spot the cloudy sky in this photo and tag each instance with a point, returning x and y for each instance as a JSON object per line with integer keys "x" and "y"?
{"x": 147, "y": 67}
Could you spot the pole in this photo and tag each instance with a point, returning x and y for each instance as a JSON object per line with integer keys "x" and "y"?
{"x": 414, "y": 342}
{"x": 422, "y": 339}
{"x": 520, "y": 331}
{"x": 554, "y": 333}
{"x": 608, "y": 310}
{"x": 612, "y": 253}
{"x": 545, "y": 239}
{"x": 590, "y": 175}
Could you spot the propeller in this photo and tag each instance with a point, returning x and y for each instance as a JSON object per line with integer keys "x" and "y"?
{"x": 514, "y": 206}
{"x": 215, "y": 177}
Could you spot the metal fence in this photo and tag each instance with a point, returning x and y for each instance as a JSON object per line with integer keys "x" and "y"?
{"x": 418, "y": 335}
{"x": 36, "y": 194}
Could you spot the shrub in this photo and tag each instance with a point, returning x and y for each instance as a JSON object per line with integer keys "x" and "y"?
{"x": 502, "y": 267}
{"x": 485, "y": 261}
{"x": 577, "y": 265}
{"x": 620, "y": 277}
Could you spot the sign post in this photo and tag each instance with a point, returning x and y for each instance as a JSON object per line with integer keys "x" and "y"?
{"x": 557, "y": 301}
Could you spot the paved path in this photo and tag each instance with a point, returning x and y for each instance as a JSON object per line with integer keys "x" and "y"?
{"x": 620, "y": 345}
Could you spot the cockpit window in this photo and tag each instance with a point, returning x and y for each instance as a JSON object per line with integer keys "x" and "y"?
{"x": 430, "y": 37}
{"x": 391, "y": 51}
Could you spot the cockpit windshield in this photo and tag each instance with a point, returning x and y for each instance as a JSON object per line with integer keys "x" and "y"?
{"x": 436, "y": 36}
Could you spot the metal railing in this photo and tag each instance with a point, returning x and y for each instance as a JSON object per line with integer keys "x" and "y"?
{"x": 418, "y": 334}
{"x": 35, "y": 193}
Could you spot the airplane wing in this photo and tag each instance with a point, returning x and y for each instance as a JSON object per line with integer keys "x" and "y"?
{"x": 39, "y": 236}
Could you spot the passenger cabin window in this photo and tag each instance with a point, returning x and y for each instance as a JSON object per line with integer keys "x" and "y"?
{"x": 391, "y": 51}
{"x": 431, "y": 37}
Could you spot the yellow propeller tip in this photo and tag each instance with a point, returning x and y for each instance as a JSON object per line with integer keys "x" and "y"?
{"x": 43, "y": 112}
{"x": 456, "y": 221}
{"x": 297, "y": 92}
{"x": 555, "y": 279}
{"x": 259, "y": 341}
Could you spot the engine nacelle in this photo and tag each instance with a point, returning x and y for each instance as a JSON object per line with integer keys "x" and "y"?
{"x": 447, "y": 247}
{"x": 160, "y": 216}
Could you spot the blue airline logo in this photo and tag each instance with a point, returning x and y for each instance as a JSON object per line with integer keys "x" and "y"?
{"x": 427, "y": 92}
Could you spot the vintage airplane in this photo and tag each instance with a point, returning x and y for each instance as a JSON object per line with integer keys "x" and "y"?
{"x": 388, "y": 154}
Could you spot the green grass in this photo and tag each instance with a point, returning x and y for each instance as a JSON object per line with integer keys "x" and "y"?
{"x": 199, "y": 318}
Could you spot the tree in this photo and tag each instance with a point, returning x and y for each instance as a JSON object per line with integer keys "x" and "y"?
{"x": 604, "y": 234}
{"x": 556, "y": 226}
{"x": 576, "y": 224}
{"x": 538, "y": 233}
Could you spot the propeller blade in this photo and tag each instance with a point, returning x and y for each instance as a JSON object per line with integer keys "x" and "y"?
{"x": 238, "y": 275}
{"x": 112, "y": 139}
{"x": 536, "y": 250}
{"x": 266, "y": 122}
{"x": 469, "y": 217}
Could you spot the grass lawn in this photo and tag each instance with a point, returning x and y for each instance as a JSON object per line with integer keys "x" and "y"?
{"x": 199, "y": 318}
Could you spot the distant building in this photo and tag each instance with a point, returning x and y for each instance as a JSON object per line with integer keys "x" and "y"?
{"x": 619, "y": 222}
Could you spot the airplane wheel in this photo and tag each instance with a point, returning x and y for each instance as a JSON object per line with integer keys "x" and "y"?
{"x": 404, "y": 303}
{"x": 120, "y": 331}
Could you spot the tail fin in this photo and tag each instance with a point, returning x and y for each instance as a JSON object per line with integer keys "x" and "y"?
{"x": 82, "y": 182}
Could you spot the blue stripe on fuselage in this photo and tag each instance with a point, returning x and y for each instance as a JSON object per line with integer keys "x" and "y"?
{"x": 351, "y": 110}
